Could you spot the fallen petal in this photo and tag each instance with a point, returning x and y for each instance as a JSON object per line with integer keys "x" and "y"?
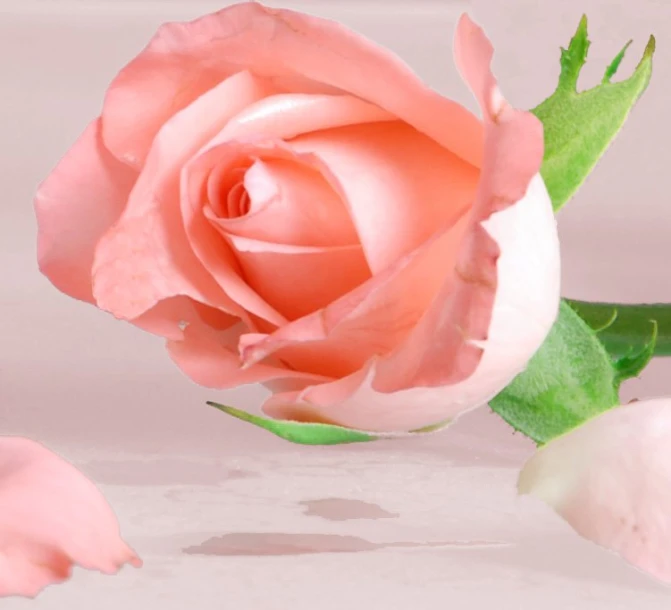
{"x": 611, "y": 480}
{"x": 51, "y": 519}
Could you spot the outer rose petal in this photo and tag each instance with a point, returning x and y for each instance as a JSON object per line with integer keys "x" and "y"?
{"x": 211, "y": 360}
{"x": 611, "y": 480}
{"x": 493, "y": 312}
{"x": 146, "y": 257}
{"x": 299, "y": 52}
{"x": 169, "y": 317}
{"x": 75, "y": 205}
{"x": 507, "y": 271}
{"x": 51, "y": 518}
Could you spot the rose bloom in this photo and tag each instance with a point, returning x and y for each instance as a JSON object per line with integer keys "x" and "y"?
{"x": 51, "y": 518}
{"x": 287, "y": 203}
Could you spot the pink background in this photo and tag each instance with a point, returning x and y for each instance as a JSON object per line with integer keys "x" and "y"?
{"x": 214, "y": 505}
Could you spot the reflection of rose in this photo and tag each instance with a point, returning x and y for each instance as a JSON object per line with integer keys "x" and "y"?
{"x": 51, "y": 518}
{"x": 268, "y": 188}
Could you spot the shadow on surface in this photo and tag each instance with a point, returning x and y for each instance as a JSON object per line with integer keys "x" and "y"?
{"x": 344, "y": 509}
{"x": 282, "y": 544}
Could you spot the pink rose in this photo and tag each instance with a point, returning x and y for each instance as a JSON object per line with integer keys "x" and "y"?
{"x": 286, "y": 203}
{"x": 609, "y": 478}
{"x": 51, "y": 518}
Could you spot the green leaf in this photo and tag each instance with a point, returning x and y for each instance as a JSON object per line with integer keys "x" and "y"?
{"x": 630, "y": 329}
{"x": 568, "y": 381}
{"x": 579, "y": 126}
{"x": 305, "y": 433}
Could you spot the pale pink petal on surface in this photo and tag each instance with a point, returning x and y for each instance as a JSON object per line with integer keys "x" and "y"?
{"x": 147, "y": 257}
{"x": 492, "y": 314}
{"x": 299, "y": 52}
{"x": 211, "y": 359}
{"x": 387, "y": 172}
{"x": 82, "y": 198}
{"x": 51, "y": 519}
{"x": 610, "y": 478}
{"x": 290, "y": 203}
{"x": 287, "y": 115}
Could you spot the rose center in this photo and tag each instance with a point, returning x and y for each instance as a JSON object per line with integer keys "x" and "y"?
{"x": 237, "y": 201}
{"x": 227, "y": 194}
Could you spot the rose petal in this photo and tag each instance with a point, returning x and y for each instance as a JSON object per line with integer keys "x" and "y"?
{"x": 75, "y": 205}
{"x": 491, "y": 315}
{"x": 51, "y": 518}
{"x": 147, "y": 257}
{"x": 211, "y": 359}
{"x": 507, "y": 272}
{"x": 515, "y": 331}
{"x": 291, "y": 203}
{"x": 287, "y": 115}
{"x": 79, "y": 201}
{"x": 208, "y": 238}
{"x": 298, "y": 280}
{"x": 386, "y": 172}
{"x": 169, "y": 317}
{"x": 610, "y": 479}
{"x": 302, "y": 53}
{"x": 369, "y": 321}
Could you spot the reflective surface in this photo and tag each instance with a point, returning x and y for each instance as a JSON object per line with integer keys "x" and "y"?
{"x": 232, "y": 516}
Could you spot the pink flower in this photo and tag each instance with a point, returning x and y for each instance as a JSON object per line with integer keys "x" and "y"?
{"x": 51, "y": 518}
{"x": 609, "y": 478}
{"x": 287, "y": 203}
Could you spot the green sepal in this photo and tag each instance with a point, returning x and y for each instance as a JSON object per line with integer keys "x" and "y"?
{"x": 579, "y": 126}
{"x": 302, "y": 433}
{"x": 629, "y": 327}
{"x": 629, "y": 366}
{"x": 615, "y": 64}
{"x": 569, "y": 380}
{"x": 308, "y": 433}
